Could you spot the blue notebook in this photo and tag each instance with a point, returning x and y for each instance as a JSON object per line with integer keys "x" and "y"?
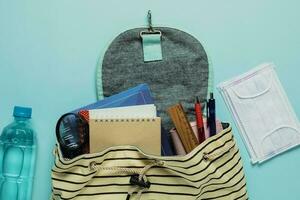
{"x": 138, "y": 95}
{"x": 167, "y": 146}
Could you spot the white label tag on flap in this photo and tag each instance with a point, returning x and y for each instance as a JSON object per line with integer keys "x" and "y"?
{"x": 262, "y": 112}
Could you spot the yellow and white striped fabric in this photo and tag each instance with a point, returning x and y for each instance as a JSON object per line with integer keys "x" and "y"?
{"x": 213, "y": 170}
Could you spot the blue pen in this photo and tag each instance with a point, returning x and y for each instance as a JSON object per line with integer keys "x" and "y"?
{"x": 211, "y": 106}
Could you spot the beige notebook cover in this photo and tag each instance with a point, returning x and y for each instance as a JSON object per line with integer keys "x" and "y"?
{"x": 142, "y": 133}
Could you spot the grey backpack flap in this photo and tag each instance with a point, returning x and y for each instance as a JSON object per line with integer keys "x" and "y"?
{"x": 180, "y": 76}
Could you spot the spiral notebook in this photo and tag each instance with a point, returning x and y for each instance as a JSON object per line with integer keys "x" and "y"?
{"x": 142, "y": 133}
{"x": 139, "y": 111}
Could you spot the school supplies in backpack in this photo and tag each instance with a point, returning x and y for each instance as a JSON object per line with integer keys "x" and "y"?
{"x": 213, "y": 170}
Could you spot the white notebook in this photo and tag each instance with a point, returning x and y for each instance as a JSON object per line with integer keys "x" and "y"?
{"x": 132, "y": 112}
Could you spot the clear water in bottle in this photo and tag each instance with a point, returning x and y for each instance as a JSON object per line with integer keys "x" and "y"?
{"x": 17, "y": 157}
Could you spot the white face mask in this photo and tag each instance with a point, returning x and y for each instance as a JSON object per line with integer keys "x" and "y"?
{"x": 262, "y": 112}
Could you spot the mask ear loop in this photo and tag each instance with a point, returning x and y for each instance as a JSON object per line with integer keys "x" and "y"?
{"x": 255, "y": 95}
{"x": 276, "y": 151}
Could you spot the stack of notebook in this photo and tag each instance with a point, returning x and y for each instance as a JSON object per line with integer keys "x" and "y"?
{"x": 127, "y": 118}
{"x": 132, "y": 125}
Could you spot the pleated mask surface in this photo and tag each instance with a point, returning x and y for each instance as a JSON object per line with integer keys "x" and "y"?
{"x": 262, "y": 112}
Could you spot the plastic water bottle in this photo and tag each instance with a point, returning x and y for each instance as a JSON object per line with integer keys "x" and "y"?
{"x": 17, "y": 157}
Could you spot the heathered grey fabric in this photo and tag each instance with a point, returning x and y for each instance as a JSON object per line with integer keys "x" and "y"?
{"x": 179, "y": 77}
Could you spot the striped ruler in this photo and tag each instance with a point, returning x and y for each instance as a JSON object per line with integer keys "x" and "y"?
{"x": 183, "y": 127}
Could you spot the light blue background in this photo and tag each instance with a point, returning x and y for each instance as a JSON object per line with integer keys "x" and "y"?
{"x": 49, "y": 50}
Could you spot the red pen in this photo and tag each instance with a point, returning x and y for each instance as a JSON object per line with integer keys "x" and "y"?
{"x": 199, "y": 120}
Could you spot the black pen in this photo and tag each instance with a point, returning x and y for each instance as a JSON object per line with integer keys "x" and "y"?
{"x": 211, "y": 118}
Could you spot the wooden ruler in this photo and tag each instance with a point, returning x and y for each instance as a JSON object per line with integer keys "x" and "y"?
{"x": 183, "y": 127}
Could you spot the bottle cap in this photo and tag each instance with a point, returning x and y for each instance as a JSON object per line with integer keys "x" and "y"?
{"x": 22, "y": 112}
